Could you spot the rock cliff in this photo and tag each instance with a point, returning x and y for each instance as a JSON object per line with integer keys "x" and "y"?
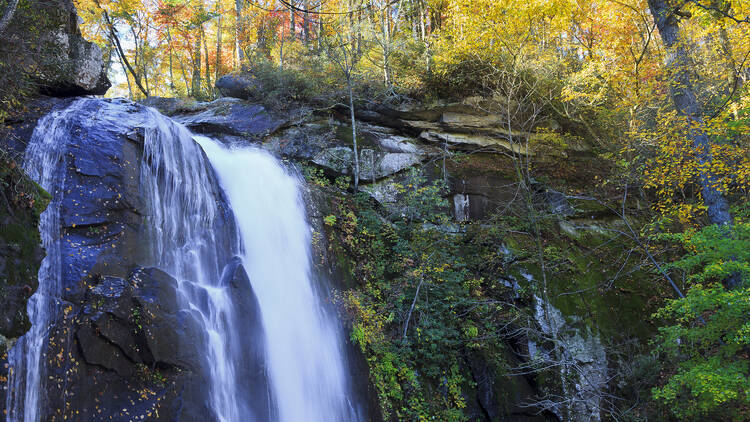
{"x": 119, "y": 346}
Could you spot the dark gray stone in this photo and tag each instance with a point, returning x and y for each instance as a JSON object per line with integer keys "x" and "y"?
{"x": 244, "y": 87}
{"x": 232, "y": 117}
{"x": 252, "y": 380}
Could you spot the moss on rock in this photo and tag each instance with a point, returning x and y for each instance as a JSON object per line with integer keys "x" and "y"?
{"x": 21, "y": 203}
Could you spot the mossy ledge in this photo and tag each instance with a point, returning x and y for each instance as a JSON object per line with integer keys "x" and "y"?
{"x": 21, "y": 203}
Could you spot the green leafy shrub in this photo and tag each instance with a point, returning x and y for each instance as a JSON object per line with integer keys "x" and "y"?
{"x": 708, "y": 341}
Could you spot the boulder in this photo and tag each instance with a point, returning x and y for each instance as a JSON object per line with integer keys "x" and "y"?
{"x": 396, "y": 143}
{"x": 338, "y": 160}
{"x": 373, "y": 165}
{"x": 83, "y": 70}
{"x": 301, "y": 142}
{"x": 170, "y": 106}
{"x": 243, "y": 87}
{"x": 231, "y": 116}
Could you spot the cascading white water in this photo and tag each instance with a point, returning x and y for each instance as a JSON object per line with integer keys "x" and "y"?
{"x": 183, "y": 213}
{"x": 305, "y": 360}
{"x": 44, "y": 162}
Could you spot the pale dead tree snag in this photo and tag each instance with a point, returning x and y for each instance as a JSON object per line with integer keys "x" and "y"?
{"x": 684, "y": 97}
{"x": 8, "y": 12}
{"x": 196, "y": 81}
{"x": 218, "y": 48}
{"x": 345, "y": 58}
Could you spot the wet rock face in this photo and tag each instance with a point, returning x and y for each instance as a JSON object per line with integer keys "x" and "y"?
{"x": 21, "y": 251}
{"x": 20, "y": 256}
{"x": 136, "y": 346}
{"x": 579, "y": 357}
{"x": 254, "y": 383}
{"x": 122, "y": 345}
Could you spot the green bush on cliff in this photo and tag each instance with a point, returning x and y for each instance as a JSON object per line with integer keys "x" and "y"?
{"x": 708, "y": 339}
{"x": 21, "y": 202}
{"x": 417, "y": 307}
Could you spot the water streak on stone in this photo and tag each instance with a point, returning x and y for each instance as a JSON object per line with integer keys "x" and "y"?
{"x": 44, "y": 162}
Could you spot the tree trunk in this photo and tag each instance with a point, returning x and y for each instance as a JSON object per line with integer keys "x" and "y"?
{"x": 171, "y": 61}
{"x": 422, "y": 31}
{"x": 350, "y": 15}
{"x": 109, "y": 50}
{"x": 127, "y": 78}
{"x": 686, "y": 103}
{"x": 320, "y": 28}
{"x": 123, "y": 58}
{"x": 306, "y": 22}
{"x": 10, "y": 9}
{"x": 354, "y": 134}
{"x": 184, "y": 76}
{"x": 208, "y": 62}
{"x": 291, "y": 20}
{"x": 196, "y": 88}
{"x": 239, "y": 30}
{"x": 261, "y": 42}
{"x": 218, "y": 49}
{"x": 387, "y": 47}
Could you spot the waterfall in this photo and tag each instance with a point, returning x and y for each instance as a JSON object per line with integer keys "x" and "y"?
{"x": 44, "y": 162}
{"x": 188, "y": 242}
{"x": 268, "y": 349}
{"x": 305, "y": 360}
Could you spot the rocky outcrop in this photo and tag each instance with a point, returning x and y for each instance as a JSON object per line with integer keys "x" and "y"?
{"x": 299, "y": 136}
{"x": 82, "y": 70}
{"x": 373, "y": 165}
{"x": 45, "y": 53}
{"x": 121, "y": 324}
{"x": 467, "y": 143}
{"x": 140, "y": 353}
{"x": 123, "y": 345}
{"x": 231, "y": 117}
